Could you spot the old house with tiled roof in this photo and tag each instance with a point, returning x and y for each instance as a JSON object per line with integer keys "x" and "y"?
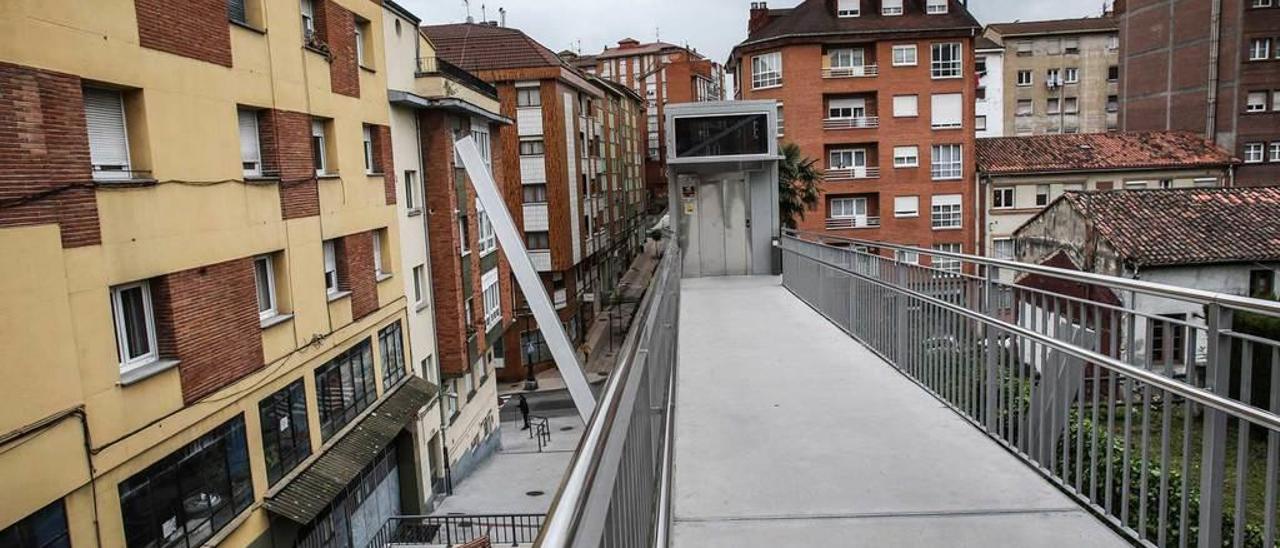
{"x": 1019, "y": 176}
{"x": 1224, "y": 240}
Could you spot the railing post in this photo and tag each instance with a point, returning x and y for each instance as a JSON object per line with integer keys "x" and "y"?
{"x": 515, "y": 539}
{"x": 993, "y": 348}
{"x": 903, "y": 299}
{"x": 1213, "y": 463}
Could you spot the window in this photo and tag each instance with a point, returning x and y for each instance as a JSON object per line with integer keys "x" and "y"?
{"x": 906, "y": 206}
{"x": 330, "y": 268}
{"x": 1071, "y": 105}
{"x": 946, "y": 162}
{"x": 532, "y": 147}
{"x": 846, "y": 58}
{"x": 781, "y": 123}
{"x": 848, "y": 208}
{"x": 528, "y": 97}
{"x": 1024, "y": 78}
{"x": 936, "y": 7}
{"x": 1257, "y": 102}
{"x": 1135, "y": 185}
{"x": 1275, "y": 100}
{"x": 946, "y": 60}
{"x": 533, "y": 347}
{"x": 45, "y": 528}
{"x": 1053, "y": 105}
{"x": 1071, "y": 46}
{"x": 1024, "y": 48}
{"x": 1275, "y": 151}
{"x": 766, "y": 70}
{"x": 236, "y": 11}
{"x": 904, "y": 55}
{"x": 1042, "y": 195}
{"x": 1025, "y": 107}
{"x": 391, "y": 350}
{"x": 1260, "y": 4}
{"x": 537, "y": 240}
{"x": 135, "y": 324}
{"x": 488, "y": 241}
{"x": 1053, "y": 46}
{"x": 363, "y": 33}
{"x": 1053, "y": 77}
{"x": 905, "y": 106}
{"x": 191, "y": 494}
{"x": 1113, "y": 103}
{"x": 980, "y": 65}
{"x": 1002, "y": 248}
{"x": 1003, "y": 197}
{"x": 285, "y": 437}
{"x": 250, "y": 151}
{"x": 108, "y": 136}
{"x": 535, "y": 194}
{"x": 946, "y": 211}
{"x": 265, "y": 279}
{"x": 379, "y": 238}
{"x": 1113, "y": 42}
{"x": 1168, "y": 332}
{"x": 981, "y": 94}
{"x": 492, "y": 299}
{"x": 980, "y": 123}
{"x": 464, "y": 234}
{"x": 1252, "y": 153}
{"x": 947, "y": 264}
{"x": 906, "y": 156}
{"x": 419, "y": 284}
{"x": 843, "y": 109}
{"x": 345, "y": 387}
{"x": 891, "y": 7}
{"x": 1259, "y": 49}
{"x": 847, "y": 158}
{"x": 412, "y": 191}
{"x": 1262, "y": 283}
{"x": 368, "y": 149}
{"x": 318, "y": 143}
{"x": 847, "y": 8}
{"x": 906, "y": 256}
{"x": 1071, "y": 75}
{"x": 1113, "y": 73}
{"x": 308, "y": 20}
{"x": 946, "y": 110}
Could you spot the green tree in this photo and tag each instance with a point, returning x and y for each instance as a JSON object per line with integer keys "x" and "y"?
{"x": 797, "y": 185}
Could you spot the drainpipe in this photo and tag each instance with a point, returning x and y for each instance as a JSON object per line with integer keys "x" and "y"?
{"x": 1215, "y": 37}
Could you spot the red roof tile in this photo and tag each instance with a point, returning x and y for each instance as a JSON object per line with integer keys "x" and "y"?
{"x": 1098, "y": 152}
{"x": 1185, "y": 226}
{"x": 818, "y": 17}
{"x": 475, "y": 47}
{"x": 1056, "y": 26}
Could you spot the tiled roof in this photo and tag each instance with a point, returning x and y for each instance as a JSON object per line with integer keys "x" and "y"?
{"x": 641, "y": 49}
{"x": 1098, "y": 152}
{"x": 1056, "y": 26}
{"x": 818, "y": 17}
{"x": 475, "y": 47}
{"x": 1185, "y": 226}
{"x": 986, "y": 43}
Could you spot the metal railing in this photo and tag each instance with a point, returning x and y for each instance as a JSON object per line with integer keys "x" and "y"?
{"x": 843, "y": 223}
{"x": 617, "y": 489}
{"x": 851, "y": 173}
{"x": 1154, "y": 406}
{"x": 851, "y": 72}
{"x": 437, "y": 66}
{"x": 501, "y": 529}
{"x": 856, "y": 122}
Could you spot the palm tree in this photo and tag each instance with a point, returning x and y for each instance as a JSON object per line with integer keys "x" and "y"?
{"x": 797, "y": 185}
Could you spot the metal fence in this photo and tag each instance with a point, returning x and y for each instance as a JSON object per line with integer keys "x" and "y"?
{"x": 501, "y": 530}
{"x": 616, "y": 491}
{"x": 1154, "y": 406}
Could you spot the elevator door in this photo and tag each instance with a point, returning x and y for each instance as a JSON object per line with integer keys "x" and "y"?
{"x": 723, "y": 227}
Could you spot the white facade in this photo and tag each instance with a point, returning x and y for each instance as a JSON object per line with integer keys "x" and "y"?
{"x": 990, "y": 108}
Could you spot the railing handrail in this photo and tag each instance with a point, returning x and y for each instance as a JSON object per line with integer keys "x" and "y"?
{"x": 438, "y": 65}
{"x": 1238, "y": 302}
{"x": 1198, "y": 395}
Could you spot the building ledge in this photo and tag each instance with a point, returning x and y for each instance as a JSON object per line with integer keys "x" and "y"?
{"x": 274, "y": 320}
{"x": 339, "y": 295}
{"x": 421, "y": 306}
{"x": 324, "y": 176}
{"x": 143, "y": 372}
{"x": 383, "y": 277}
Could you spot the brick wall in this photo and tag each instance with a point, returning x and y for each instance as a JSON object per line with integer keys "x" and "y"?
{"x": 383, "y": 161}
{"x": 208, "y": 318}
{"x": 355, "y": 252}
{"x": 335, "y": 26}
{"x": 43, "y": 148}
{"x": 286, "y": 152}
{"x": 443, "y": 234}
{"x": 198, "y": 29}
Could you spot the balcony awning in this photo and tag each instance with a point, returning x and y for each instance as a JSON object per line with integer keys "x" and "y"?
{"x": 308, "y": 493}
{"x": 404, "y": 98}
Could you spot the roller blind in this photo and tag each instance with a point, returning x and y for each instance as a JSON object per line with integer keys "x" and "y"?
{"x": 236, "y": 11}
{"x": 250, "y": 153}
{"x": 946, "y": 110}
{"x": 108, "y": 143}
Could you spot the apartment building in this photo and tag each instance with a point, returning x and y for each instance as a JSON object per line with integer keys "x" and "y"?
{"x": 553, "y": 188}
{"x": 988, "y": 109}
{"x": 457, "y": 285}
{"x": 663, "y": 74}
{"x": 1212, "y": 67}
{"x": 881, "y": 93}
{"x": 1059, "y": 76}
{"x": 625, "y": 204}
{"x": 200, "y": 219}
{"x": 1020, "y": 176}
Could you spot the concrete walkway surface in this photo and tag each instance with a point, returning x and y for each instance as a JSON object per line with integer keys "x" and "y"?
{"x": 791, "y": 433}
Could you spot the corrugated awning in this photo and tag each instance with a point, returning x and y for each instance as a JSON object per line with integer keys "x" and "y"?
{"x": 308, "y": 493}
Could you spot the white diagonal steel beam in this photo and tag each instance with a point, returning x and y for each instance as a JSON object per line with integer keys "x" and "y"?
{"x": 504, "y": 225}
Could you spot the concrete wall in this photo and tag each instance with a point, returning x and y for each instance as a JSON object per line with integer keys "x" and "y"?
{"x": 1091, "y": 92}
{"x": 992, "y": 107}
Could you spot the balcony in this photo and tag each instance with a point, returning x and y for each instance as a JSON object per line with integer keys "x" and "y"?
{"x": 852, "y": 222}
{"x": 861, "y": 122}
{"x": 435, "y": 66}
{"x": 852, "y": 173}
{"x": 864, "y": 71}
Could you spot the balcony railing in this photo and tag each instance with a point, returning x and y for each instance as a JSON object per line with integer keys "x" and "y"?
{"x": 860, "y": 122}
{"x": 501, "y": 530}
{"x": 1158, "y": 423}
{"x": 853, "y": 222}
{"x": 863, "y": 71}
{"x": 438, "y": 66}
{"x": 845, "y": 174}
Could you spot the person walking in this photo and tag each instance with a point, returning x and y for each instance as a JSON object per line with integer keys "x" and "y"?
{"x": 523, "y": 405}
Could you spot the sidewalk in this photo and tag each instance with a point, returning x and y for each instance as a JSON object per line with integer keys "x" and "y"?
{"x": 614, "y": 319}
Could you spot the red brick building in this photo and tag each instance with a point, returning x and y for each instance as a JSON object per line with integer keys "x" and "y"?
{"x": 881, "y": 94}
{"x": 1180, "y": 71}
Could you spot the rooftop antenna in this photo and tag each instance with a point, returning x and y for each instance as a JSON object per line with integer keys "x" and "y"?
{"x": 502, "y": 17}
{"x": 657, "y": 34}
{"x": 484, "y": 14}
{"x": 467, "y": 4}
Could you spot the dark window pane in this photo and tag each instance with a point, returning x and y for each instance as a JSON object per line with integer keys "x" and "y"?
{"x": 134, "y": 313}
{"x": 46, "y": 528}
{"x": 345, "y": 387}
{"x": 284, "y": 431}
{"x": 722, "y": 135}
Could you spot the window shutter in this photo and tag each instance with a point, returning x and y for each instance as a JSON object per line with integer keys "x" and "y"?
{"x": 236, "y": 11}
{"x": 906, "y": 205}
{"x": 904, "y": 105}
{"x": 108, "y": 144}
{"x": 249, "y": 150}
{"x": 946, "y": 110}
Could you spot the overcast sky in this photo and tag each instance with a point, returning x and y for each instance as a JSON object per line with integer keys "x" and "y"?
{"x": 710, "y": 26}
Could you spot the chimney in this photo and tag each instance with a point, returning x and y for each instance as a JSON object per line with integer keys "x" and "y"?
{"x": 759, "y": 17}
{"x": 502, "y": 17}
{"x": 628, "y": 43}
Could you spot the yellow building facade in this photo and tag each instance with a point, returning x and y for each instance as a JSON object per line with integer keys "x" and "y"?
{"x": 144, "y": 401}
